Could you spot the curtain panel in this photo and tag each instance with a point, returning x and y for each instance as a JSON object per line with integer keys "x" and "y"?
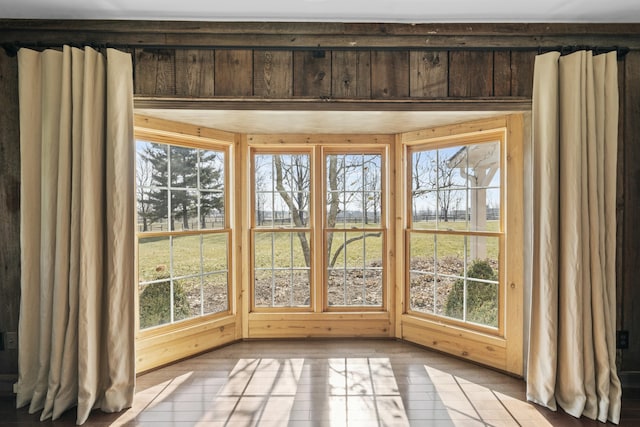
{"x": 76, "y": 330}
{"x": 571, "y": 360}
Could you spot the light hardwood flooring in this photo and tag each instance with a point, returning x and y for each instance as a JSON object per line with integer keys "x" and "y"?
{"x": 353, "y": 382}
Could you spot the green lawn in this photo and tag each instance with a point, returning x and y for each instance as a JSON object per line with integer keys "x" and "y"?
{"x": 154, "y": 256}
{"x": 284, "y": 250}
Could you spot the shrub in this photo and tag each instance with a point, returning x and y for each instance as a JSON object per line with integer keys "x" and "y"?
{"x": 155, "y": 303}
{"x": 482, "y": 298}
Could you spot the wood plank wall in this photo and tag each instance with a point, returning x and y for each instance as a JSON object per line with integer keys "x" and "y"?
{"x": 382, "y": 71}
{"x": 9, "y": 210}
{"x": 340, "y": 74}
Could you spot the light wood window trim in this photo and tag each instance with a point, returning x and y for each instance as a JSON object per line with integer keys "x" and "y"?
{"x": 254, "y": 229}
{"x": 365, "y": 149}
{"x": 502, "y": 349}
{"x": 318, "y": 145}
{"x": 447, "y": 142}
{"x": 158, "y": 346}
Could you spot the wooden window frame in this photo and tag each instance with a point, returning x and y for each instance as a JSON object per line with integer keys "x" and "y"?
{"x": 254, "y": 229}
{"x": 501, "y": 348}
{"x": 384, "y": 226}
{"x": 162, "y": 344}
{"x": 317, "y": 322}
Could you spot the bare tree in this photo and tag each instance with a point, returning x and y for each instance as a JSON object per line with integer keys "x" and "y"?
{"x": 297, "y": 175}
{"x": 447, "y": 196}
{"x": 292, "y": 182}
{"x": 431, "y": 173}
{"x": 144, "y": 178}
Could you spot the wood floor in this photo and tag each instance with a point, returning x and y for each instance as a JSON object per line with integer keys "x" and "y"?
{"x": 325, "y": 383}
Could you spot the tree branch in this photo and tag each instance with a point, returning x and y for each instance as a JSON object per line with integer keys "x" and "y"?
{"x": 348, "y": 241}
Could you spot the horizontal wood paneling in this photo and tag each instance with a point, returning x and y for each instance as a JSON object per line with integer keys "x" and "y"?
{"x": 326, "y": 74}
{"x": 283, "y": 326}
{"x": 312, "y": 35}
{"x": 153, "y": 351}
{"x": 483, "y": 349}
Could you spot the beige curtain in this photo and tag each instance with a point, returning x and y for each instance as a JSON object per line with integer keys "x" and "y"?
{"x": 76, "y": 332}
{"x": 571, "y": 359}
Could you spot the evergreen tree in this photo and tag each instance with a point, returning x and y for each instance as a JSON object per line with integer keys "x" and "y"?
{"x": 196, "y": 176}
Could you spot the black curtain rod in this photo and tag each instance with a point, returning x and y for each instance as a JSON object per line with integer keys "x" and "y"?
{"x": 12, "y": 48}
{"x": 621, "y": 52}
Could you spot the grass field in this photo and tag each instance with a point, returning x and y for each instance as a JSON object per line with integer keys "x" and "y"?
{"x": 207, "y": 255}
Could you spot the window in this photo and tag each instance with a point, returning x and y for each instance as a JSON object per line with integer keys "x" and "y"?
{"x": 455, "y": 233}
{"x": 183, "y": 232}
{"x": 462, "y": 267}
{"x": 318, "y": 234}
{"x": 354, "y": 234}
{"x": 282, "y": 234}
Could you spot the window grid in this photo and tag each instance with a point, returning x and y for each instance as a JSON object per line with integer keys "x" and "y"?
{"x": 342, "y": 228}
{"x": 173, "y": 235}
{"x": 440, "y": 229}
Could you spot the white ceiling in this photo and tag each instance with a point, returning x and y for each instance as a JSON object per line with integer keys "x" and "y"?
{"x": 318, "y": 122}
{"x": 409, "y": 11}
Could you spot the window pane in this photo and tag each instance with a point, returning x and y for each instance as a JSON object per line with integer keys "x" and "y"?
{"x": 184, "y": 167}
{"x": 214, "y": 253}
{"x": 372, "y": 208}
{"x": 180, "y": 188}
{"x": 425, "y": 207}
{"x": 450, "y": 254}
{"x": 421, "y": 291}
{"x": 264, "y": 250}
{"x": 211, "y": 210}
{"x": 153, "y": 259}
{"x": 151, "y": 164}
{"x": 281, "y": 288}
{"x": 422, "y": 251}
{"x": 452, "y": 210}
{"x": 481, "y": 248}
{"x": 354, "y": 268}
{"x": 484, "y": 210}
{"x": 353, "y": 190}
{"x": 449, "y": 271}
{"x": 482, "y": 303}
{"x": 452, "y": 168}
{"x": 456, "y": 189}
{"x": 211, "y": 170}
{"x": 186, "y": 255}
{"x": 281, "y": 276}
{"x": 214, "y": 292}
{"x": 484, "y": 164}
{"x": 282, "y": 184}
{"x": 184, "y": 210}
{"x": 155, "y": 304}
{"x": 186, "y": 298}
